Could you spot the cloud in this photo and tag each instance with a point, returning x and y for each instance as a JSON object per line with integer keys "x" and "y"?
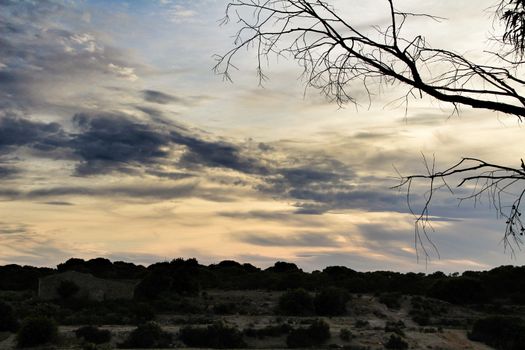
{"x": 9, "y": 229}
{"x": 145, "y": 191}
{"x": 179, "y": 13}
{"x": 42, "y": 57}
{"x": 155, "y": 96}
{"x": 60, "y": 203}
{"x": 29, "y": 248}
{"x": 306, "y": 239}
{"x": 152, "y": 191}
{"x": 111, "y": 142}
{"x": 17, "y": 132}
{"x": 7, "y": 172}
{"x": 215, "y": 154}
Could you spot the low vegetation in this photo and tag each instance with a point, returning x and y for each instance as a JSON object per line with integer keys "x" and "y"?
{"x": 501, "y": 332}
{"x": 8, "y": 321}
{"x": 147, "y": 336}
{"x": 234, "y": 305}
{"x": 93, "y": 335}
{"x": 315, "y": 335}
{"x": 297, "y": 302}
{"x": 331, "y": 301}
{"x": 216, "y": 336}
{"x": 396, "y": 342}
{"x": 37, "y": 331}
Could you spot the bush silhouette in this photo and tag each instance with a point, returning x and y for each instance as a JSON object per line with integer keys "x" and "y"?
{"x": 501, "y": 332}
{"x": 148, "y": 335}
{"x": 93, "y": 335}
{"x": 331, "y": 301}
{"x": 37, "y": 331}
{"x": 268, "y": 331}
{"x": 67, "y": 289}
{"x": 217, "y": 336}
{"x": 297, "y": 302}
{"x": 396, "y": 342}
{"x": 316, "y": 334}
{"x": 391, "y": 300}
{"x": 143, "y": 312}
{"x": 345, "y": 334}
{"x": 459, "y": 290}
{"x": 153, "y": 286}
{"x": 8, "y": 321}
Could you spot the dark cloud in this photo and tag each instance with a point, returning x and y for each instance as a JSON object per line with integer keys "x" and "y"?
{"x": 172, "y": 175}
{"x": 8, "y": 172}
{"x": 16, "y": 132}
{"x": 10, "y": 229}
{"x": 381, "y": 233}
{"x": 155, "y": 192}
{"x": 144, "y": 192}
{"x": 322, "y": 184}
{"x": 368, "y": 135}
{"x": 160, "y": 97}
{"x": 108, "y": 142}
{"x": 102, "y": 143}
{"x": 60, "y": 203}
{"x": 216, "y": 154}
{"x": 351, "y": 198}
{"x": 258, "y": 215}
{"x": 291, "y": 217}
{"x": 307, "y": 239}
{"x": 426, "y": 119}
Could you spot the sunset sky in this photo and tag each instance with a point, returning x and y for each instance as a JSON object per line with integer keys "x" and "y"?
{"x": 118, "y": 140}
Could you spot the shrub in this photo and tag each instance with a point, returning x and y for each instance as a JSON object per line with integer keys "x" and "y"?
{"x": 153, "y": 286}
{"x": 316, "y": 334}
{"x": 396, "y": 342}
{"x": 361, "y": 323}
{"x": 67, "y": 289}
{"x": 37, "y": 331}
{"x": 93, "y": 335}
{"x": 331, "y": 302}
{"x": 391, "y": 300}
{"x": 8, "y": 321}
{"x": 423, "y": 310}
{"x": 395, "y": 327}
{"x": 268, "y": 331}
{"x": 225, "y": 309}
{"x": 345, "y": 334}
{"x": 297, "y": 302}
{"x": 143, "y": 313}
{"x": 217, "y": 336}
{"x": 147, "y": 335}
{"x": 459, "y": 290}
{"x": 501, "y": 332}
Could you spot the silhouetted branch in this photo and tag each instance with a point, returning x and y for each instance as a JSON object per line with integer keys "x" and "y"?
{"x": 503, "y": 186}
{"x": 335, "y": 54}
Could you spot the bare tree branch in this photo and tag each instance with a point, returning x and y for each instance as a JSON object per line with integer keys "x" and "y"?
{"x": 335, "y": 54}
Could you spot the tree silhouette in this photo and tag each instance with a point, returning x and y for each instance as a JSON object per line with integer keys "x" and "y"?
{"x": 337, "y": 54}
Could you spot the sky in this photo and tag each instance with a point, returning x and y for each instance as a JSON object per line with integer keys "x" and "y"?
{"x": 118, "y": 140}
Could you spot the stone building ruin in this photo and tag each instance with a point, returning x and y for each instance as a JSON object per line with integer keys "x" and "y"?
{"x": 89, "y": 287}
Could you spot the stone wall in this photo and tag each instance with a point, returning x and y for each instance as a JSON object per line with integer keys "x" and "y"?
{"x": 90, "y": 287}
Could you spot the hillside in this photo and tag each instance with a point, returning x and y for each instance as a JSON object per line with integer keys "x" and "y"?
{"x": 231, "y": 305}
